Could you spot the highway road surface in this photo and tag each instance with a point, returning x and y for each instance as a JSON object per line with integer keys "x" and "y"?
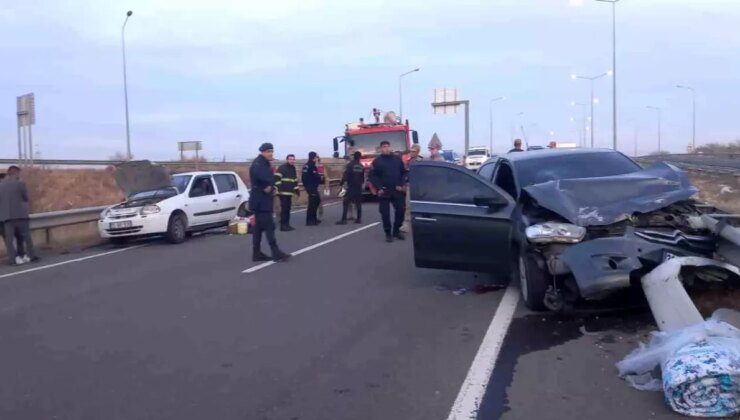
{"x": 347, "y": 329}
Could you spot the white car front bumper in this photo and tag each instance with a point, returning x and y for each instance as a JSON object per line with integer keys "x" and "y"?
{"x": 137, "y": 225}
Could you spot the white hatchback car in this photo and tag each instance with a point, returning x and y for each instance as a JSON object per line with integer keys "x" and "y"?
{"x": 160, "y": 204}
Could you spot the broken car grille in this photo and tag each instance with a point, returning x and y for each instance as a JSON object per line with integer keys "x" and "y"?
{"x": 678, "y": 238}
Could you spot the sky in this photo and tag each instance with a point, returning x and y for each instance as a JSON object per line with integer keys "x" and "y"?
{"x": 233, "y": 74}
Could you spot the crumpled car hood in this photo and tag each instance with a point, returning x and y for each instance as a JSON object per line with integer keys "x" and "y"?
{"x": 608, "y": 200}
{"x": 140, "y": 176}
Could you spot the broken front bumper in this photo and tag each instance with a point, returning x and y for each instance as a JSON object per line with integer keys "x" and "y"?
{"x": 605, "y": 265}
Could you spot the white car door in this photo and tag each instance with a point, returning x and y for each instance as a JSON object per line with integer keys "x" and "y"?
{"x": 202, "y": 205}
{"x": 229, "y": 196}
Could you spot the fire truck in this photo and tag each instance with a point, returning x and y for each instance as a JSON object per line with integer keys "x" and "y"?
{"x": 366, "y": 138}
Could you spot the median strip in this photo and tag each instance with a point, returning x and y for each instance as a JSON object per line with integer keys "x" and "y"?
{"x": 310, "y": 248}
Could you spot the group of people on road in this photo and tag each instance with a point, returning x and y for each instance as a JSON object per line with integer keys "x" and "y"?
{"x": 388, "y": 175}
{"x": 14, "y": 218}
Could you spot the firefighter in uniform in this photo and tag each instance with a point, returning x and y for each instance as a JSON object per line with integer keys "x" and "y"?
{"x": 261, "y": 202}
{"x": 388, "y": 176}
{"x": 286, "y": 181}
{"x": 354, "y": 177}
{"x": 311, "y": 179}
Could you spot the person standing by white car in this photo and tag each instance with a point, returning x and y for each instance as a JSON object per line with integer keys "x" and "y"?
{"x": 261, "y": 202}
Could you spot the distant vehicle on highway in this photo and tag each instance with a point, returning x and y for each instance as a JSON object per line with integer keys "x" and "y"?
{"x": 530, "y": 148}
{"x": 173, "y": 206}
{"x": 452, "y": 156}
{"x": 476, "y": 156}
{"x": 567, "y": 224}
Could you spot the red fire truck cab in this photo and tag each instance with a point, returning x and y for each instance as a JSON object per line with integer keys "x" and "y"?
{"x": 366, "y": 139}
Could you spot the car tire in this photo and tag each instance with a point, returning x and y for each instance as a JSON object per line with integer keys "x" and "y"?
{"x": 533, "y": 280}
{"x": 177, "y": 229}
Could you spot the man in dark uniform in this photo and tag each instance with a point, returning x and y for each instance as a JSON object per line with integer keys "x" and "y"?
{"x": 354, "y": 176}
{"x": 388, "y": 176}
{"x": 261, "y": 203}
{"x": 311, "y": 180}
{"x": 517, "y": 146}
{"x": 286, "y": 181}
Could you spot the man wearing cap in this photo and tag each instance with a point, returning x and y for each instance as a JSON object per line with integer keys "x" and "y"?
{"x": 311, "y": 179}
{"x": 261, "y": 202}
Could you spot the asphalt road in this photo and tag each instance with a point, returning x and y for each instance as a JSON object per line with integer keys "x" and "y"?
{"x": 349, "y": 329}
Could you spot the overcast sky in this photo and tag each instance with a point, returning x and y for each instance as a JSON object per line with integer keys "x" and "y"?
{"x": 293, "y": 72}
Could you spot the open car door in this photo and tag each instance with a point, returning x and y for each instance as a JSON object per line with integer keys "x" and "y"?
{"x": 459, "y": 220}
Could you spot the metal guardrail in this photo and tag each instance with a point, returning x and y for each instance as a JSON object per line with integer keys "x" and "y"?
{"x": 65, "y": 217}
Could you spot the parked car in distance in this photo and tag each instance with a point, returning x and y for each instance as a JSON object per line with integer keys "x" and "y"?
{"x": 452, "y": 156}
{"x": 476, "y": 156}
{"x": 173, "y": 206}
{"x": 566, "y": 224}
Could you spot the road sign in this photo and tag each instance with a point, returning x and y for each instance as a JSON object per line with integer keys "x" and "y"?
{"x": 189, "y": 146}
{"x": 442, "y": 98}
{"x": 26, "y": 110}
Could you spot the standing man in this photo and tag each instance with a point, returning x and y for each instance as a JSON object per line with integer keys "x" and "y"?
{"x": 414, "y": 156}
{"x": 388, "y": 175}
{"x": 517, "y": 146}
{"x": 14, "y": 212}
{"x": 435, "y": 149}
{"x": 354, "y": 176}
{"x": 311, "y": 180}
{"x": 261, "y": 203}
{"x": 286, "y": 180}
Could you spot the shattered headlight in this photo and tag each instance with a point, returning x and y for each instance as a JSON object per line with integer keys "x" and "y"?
{"x": 555, "y": 232}
{"x": 150, "y": 210}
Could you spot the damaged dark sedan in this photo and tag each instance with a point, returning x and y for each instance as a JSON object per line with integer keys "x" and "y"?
{"x": 567, "y": 224}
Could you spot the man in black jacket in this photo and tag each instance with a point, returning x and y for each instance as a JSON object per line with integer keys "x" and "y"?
{"x": 388, "y": 176}
{"x": 311, "y": 180}
{"x": 354, "y": 176}
{"x": 286, "y": 181}
{"x": 261, "y": 203}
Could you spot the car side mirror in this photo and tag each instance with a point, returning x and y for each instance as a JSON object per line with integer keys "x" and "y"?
{"x": 415, "y": 136}
{"x": 336, "y": 146}
{"x": 490, "y": 201}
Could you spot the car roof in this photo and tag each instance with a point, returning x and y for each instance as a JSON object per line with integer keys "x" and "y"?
{"x": 546, "y": 153}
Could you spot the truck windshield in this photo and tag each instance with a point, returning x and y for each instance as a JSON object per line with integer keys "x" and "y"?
{"x": 369, "y": 144}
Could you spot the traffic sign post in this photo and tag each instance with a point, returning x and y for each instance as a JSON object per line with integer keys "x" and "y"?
{"x": 26, "y": 114}
{"x": 190, "y": 146}
{"x": 446, "y": 101}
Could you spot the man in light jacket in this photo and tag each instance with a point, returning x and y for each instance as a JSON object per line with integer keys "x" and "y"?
{"x": 14, "y": 212}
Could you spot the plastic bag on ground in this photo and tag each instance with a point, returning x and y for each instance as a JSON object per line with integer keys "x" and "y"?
{"x": 700, "y": 367}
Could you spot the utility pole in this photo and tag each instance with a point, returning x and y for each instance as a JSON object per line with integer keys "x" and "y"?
{"x": 125, "y": 85}
{"x": 490, "y": 120}
{"x": 614, "y": 69}
{"x": 693, "y": 118}
{"x": 400, "y": 92}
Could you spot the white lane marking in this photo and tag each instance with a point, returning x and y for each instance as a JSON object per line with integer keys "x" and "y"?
{"x": 312, "y": 247}
{"x": 471, "y": 393}
{"x": 333, "y": 203}
{"x": 44, "y": 267}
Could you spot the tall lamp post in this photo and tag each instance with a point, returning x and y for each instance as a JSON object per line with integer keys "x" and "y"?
{"x": 490, "y": 119}
{"x": 400, "y": 92}
{"x": 693, "y": 110}
{"x": 593, "y": 99}
{"x": 585, "y": 120}
{"x": 660, "y": 117}
{"x": 614, "y": 68}
{"x": 125, "y": 84}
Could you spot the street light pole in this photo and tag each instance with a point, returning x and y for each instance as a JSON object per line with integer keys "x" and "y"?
{"x": 585, "y": 122}
{"x": 593, "y": 99}
{"x": 614, "y": 68}
{"x": 693, "y": 107}
{"x": 400, "y": 92}
{"x": 125, "y": 85}
{"x": 660, "y": 112}
{"x": 490, "y": 120}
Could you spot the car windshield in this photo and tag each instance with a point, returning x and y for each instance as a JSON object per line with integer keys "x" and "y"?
{"x": 181, "y": 182}
{"x": 477, "y": 152}
{"x": 581, "y": 165}
{"x": 369, "y": 144}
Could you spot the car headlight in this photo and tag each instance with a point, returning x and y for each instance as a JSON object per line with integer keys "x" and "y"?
{"x": 555, "y": 232}
{"x": 104, "y": 213}
{"x": 150, "y": 210}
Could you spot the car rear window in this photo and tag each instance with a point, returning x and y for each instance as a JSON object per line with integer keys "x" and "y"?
{"x": 580, "y": 165}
